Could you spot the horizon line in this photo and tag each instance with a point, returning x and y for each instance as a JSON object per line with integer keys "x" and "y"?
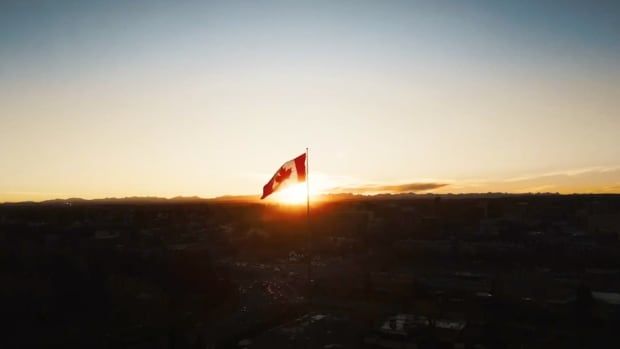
{"x": 256, "y": 197}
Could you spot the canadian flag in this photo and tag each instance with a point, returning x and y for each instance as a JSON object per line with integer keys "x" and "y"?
{"x": 292, "y": 171}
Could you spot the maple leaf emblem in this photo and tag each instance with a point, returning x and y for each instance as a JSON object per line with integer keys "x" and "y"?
{"x": 283, "y": 174}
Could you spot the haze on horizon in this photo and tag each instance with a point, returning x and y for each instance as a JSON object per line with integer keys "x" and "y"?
{"x": 158, "y": 98}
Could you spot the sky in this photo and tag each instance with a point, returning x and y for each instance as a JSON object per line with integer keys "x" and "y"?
{"x": 162, "y": 98}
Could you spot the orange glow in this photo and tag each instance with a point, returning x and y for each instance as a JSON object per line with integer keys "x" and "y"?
{"x": 294, "y": 194}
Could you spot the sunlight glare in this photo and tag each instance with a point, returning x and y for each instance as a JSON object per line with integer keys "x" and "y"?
{"x": 294, "y": 194}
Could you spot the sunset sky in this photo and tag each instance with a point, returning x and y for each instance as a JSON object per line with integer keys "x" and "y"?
{"x": 166, "y": 98}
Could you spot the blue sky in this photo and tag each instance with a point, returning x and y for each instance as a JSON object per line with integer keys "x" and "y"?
{"x": 116, "y": 98}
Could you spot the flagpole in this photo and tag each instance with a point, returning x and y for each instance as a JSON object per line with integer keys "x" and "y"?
{"x": 307, "y": 186}
{"x": 308, "y": 220}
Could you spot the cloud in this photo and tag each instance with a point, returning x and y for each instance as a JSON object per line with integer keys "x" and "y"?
{"x": 596, "y": 179}
{"x": 586, "y": 180}
{"x": 600, "y": 179}
{"x": 388, "y": 188}
{"x": 567, "y": 173}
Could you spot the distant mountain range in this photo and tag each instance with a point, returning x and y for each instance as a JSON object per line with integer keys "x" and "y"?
{"x": 135, "y": 200}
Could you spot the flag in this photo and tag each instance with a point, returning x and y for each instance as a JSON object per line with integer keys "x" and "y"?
{"x": 291, "y": 172}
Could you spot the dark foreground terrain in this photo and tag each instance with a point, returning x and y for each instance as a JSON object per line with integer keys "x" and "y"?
{"x": 412, "y": 271}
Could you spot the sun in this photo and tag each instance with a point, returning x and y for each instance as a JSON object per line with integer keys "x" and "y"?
{"x": 294, "y": 194}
